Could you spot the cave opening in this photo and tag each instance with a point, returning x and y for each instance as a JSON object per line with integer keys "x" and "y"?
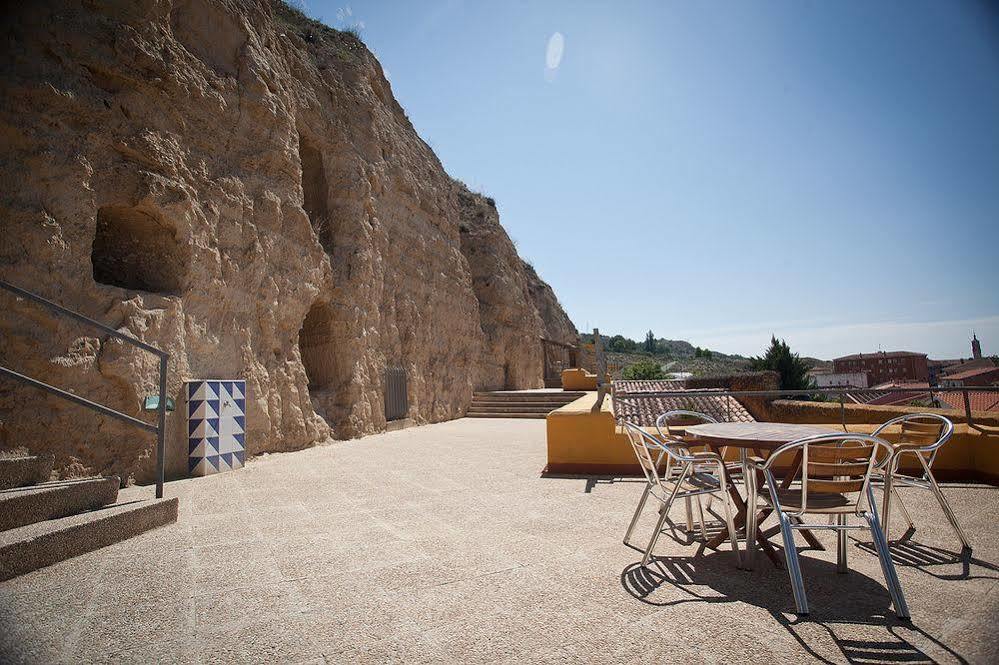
{"x": 132, "y": 249}
{"x": 318, "y": 347}
{"x": 315, "y": 190}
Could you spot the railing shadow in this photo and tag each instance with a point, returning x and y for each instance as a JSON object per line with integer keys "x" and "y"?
{"x": 844, "y": 606}
{"x": 909, "y": 553}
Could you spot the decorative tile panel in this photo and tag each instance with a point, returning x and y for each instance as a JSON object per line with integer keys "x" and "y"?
{"x": 216, "y": 426}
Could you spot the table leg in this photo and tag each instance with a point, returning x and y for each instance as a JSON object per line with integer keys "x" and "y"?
{"x": 740, "y": 521}
{"x": 786, "y": 483}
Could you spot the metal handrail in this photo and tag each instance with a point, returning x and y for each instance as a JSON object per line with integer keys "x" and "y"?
{"x": 724, "y": 392}
{"x": 159, "y": 428}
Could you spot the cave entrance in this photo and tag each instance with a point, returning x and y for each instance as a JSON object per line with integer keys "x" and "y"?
{"x": 318, "y": 347}
{"x": 134, "y": 250}
{"x": 315, "y": 190}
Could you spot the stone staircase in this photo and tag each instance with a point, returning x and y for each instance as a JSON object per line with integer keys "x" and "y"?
{"x": 519, "y": 404}
{"x": 43, "y": 522}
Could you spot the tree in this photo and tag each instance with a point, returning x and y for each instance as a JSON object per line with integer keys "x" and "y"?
{"x": 644, "y": 369}
{"x": 778, "y": 358}
{"x": 650, "y": 342}
{"x": 706, "y": 354}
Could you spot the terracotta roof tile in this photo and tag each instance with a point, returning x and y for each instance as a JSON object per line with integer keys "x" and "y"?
{"x": 967, "y": 374}
{"x": 643, "y": 410}
{"x": 981, "y": 400}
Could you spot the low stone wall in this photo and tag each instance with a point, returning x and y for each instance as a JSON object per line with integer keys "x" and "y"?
{"x": 970, "y": 455}
{"x": 758, "y": 407}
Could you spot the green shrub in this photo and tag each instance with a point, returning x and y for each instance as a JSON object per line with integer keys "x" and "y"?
{"x": 645, "y": 369}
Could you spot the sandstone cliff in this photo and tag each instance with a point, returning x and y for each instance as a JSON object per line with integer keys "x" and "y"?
{"x": 236, "y": 184}
{"x": 511, "y": 356}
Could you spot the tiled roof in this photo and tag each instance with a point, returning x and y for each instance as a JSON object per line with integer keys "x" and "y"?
{"x": 643, "y": 410}
{"x": 981, "y": 400}
{"x": 900, "y": 384}
{"x": 967, "y": 374}
{"x": 880, "y": 354}
{"x": 646, "y": 386}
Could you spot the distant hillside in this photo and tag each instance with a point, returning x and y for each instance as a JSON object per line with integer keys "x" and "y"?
{"x": 677, "y": 355}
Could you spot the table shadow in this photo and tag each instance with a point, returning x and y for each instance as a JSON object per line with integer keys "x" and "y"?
{"x": 837, "y": 602}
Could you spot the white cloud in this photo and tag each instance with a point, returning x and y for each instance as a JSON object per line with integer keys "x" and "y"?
{"x": 553, "y": 54}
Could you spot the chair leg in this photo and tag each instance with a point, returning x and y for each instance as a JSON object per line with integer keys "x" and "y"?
{"x": 700, "y": 515}
{"x": 887, "y": 565}
{"x": 841, "y": 566}
{"x": 750, "y": 520}
{"x": 793, "y": 566}
{"x": 902, "y": 508}
{"x": 690, "y": 515}
{"x": 638, "y": 512}
{"x": 887, "y": 489}
{"x": 730, "y": 523}
{"x": 951, "y": 517}
{"x": 663, "y": 514}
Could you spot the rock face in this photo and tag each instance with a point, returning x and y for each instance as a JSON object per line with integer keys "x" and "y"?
{"x": 236, "y": 185}
{"x": 511, "y": 356}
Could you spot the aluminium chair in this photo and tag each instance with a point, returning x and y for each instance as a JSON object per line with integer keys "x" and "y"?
{"x": 692, "y": 481}
{"x": 675, "y": 434}
{"x": 835, "y": 481}
{"x": 922, "y": 436}
{"x": 667, "y": 470}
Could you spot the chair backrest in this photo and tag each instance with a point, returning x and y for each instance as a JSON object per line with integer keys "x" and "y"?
{"x": 833, "y": 464}
{"x": 647, "y": 451}
{"x": 927, "y": 430}
{"x": 674, "y": 422}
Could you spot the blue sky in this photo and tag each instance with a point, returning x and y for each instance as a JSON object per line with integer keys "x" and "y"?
{"x": 717, "y": 172}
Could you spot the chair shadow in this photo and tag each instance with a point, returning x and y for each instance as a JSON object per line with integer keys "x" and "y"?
{"x": 713, "y": 578}
{"x": 909, "y": 553}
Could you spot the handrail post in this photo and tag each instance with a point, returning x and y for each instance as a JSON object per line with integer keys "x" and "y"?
{"x": 967, "y": 408}
{"x": 842, "y": 411}
{"x": 161, "y": 427}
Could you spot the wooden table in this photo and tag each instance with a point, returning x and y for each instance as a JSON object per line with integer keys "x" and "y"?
{"x": 762, "y": 438}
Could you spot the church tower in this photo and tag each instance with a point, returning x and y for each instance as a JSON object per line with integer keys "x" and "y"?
{"x": 976, "y": 347}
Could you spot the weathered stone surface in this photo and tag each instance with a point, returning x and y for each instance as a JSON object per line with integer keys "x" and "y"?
{"x": 236, "y": 185}
{"x": 511, "y": 357}
{"x": 555, "y": 322}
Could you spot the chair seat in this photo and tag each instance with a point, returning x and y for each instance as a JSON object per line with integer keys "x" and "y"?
{"x": 701, "y": 481}
{"x": 818, "y": 502}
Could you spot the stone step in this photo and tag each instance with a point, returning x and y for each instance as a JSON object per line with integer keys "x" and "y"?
{"x": 494, "y": 400}
{"x": 42, "y": 544}
{"x": 510, "y": 409}
{"x": 506, "y": 415}
{"x": 22, "y": 471}
{"x": 567, "y": 396}
{"x": 20, "y": 506}
{"x": 500, "y": 405}
{"x": 504, "y": 400}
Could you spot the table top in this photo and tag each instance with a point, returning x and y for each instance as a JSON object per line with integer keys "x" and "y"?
{"x": 753, "y": 435}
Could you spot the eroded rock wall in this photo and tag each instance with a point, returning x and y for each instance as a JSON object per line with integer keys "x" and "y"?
{"x": 511, "y": 356}
{"x": 236, "y": 185}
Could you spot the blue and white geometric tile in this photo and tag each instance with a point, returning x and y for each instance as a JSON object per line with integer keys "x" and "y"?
{"x": 216, "y": 426}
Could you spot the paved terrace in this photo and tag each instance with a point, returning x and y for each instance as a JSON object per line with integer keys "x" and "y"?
{"x": 442, "y": 543}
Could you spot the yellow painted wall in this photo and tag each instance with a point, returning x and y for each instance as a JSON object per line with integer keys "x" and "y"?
{"x": 579, "y": 379}
{"x": 580, "y": 441}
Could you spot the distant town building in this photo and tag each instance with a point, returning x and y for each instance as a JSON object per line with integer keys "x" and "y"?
{"x": 844, "y": 380}
{"x": 885, "y": 366}
{"x": 976, "y": 347}
{"x": 941, "y": 369}
{"x": 985, "y": 376}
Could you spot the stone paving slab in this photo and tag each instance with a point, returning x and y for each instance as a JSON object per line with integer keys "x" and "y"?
{"x": 443, "y": 544}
